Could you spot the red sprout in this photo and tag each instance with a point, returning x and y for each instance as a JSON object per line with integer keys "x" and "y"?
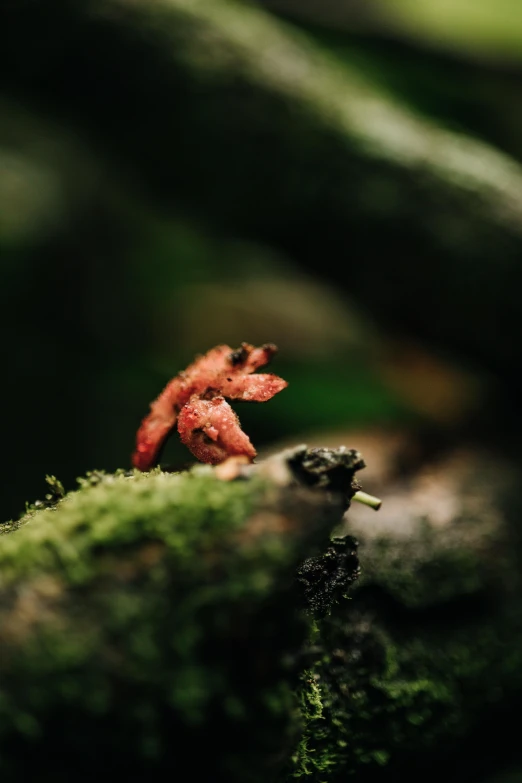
{"x": 195, "y": 400}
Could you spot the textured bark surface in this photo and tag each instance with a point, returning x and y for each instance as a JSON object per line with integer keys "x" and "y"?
{"x": 420, "y": 672}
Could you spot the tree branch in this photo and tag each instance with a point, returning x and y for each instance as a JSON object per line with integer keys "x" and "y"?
{"x": 215, "y": 105}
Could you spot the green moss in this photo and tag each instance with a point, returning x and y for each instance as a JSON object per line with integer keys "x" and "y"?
{"x": 150, "y": 615}
{"x": 389, "y": 699}
{"x": 419, "y": 666}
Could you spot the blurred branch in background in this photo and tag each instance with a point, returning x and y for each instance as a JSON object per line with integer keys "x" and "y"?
{"x": 254, "y": 128}
{"x": 200, "y": 166}
{"x": 477, "y": 30}
{"x": 453, "y": 83}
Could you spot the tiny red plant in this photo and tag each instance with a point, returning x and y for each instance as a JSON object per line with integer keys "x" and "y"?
{"x": 195, "y": 400}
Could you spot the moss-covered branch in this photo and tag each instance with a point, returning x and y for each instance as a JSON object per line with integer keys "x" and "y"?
{"x": 215, "y": 105}
{"x": 159, "y": 619}
{"x": 420, "y": 674}
{"x": 154, "y": 618}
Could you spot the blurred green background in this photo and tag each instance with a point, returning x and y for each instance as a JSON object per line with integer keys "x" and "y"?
{"x": 341, "y": 178}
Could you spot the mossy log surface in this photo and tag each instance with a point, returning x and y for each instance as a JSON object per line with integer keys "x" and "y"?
{"x": 154, "y": 622}
{"x": 420, "y": 675}
{"x": 250, "y": 126}
{"x": 149, "y": 622}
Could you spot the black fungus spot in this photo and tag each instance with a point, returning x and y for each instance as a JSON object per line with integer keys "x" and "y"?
{"x": 325, "y": 579}
{"x": 328, "y": 469}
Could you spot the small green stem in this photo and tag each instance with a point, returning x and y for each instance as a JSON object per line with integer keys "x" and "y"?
{"x": 368, "y": 500}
